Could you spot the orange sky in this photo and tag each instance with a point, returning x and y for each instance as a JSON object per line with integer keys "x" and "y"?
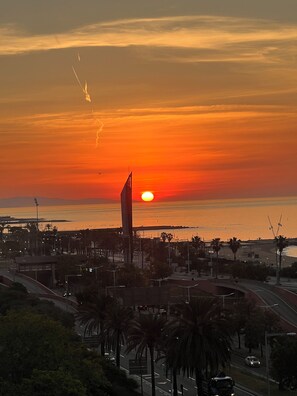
{"x": 197, "y": 101}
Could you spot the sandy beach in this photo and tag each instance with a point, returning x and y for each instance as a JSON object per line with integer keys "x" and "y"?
{"x": 260, "y": 250}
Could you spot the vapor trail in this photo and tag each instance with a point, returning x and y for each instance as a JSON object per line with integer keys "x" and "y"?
{"x": 87, "y": 96}
{"x": 101, "y": 125}
{"x": 84, "y": 89}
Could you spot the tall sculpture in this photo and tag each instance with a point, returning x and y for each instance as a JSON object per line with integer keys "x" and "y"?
{"x": 126, "y": 207}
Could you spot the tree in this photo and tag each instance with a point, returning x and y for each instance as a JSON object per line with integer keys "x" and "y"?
{"x": 92, "y": 313}
{"x": 131, "y": 276}
{"x": 172, "y": 359}
{"x": 216, "y": 245}
{"x": 52, "y": 383}
{"x": 29, "y": 341}
{"x": 253, "y": 330}
{"x": 167, "y": 237}
{"x": 234, "y": 245}
{"x": 199, "y": 245}
{"x": 117, "y": 323}
{"x": 281, "y": 243}
{"x": 40, "y": 350}
{"x": 284, "y": 361}
{"x": 241, "y": 311}
{"x": 17, "y": 298}
{"x": 159, "y": 270}
{"x": 203, "y": 338}
{"x": 146, "y": 333}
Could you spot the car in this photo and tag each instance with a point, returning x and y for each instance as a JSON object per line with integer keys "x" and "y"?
{"x": 252, "y": 361}
{"x": 109, "y": 357}
{"x": 66, "y": 294}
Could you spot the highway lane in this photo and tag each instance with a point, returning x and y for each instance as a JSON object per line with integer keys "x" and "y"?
{"x": 273, "y": 301}
{"x": 164, "y": 383}
{"x": 31, "y": 286}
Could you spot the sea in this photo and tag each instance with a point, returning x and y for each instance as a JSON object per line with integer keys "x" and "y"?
{"x": 246, "y": 219}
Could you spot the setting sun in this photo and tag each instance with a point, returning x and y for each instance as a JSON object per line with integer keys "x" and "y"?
{"x": 147, "y": 196}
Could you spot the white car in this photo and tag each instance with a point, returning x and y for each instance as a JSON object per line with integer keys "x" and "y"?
{"x": 252, "y": 361}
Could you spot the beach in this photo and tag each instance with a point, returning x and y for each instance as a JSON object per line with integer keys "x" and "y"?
{"x": 263, "y": 251}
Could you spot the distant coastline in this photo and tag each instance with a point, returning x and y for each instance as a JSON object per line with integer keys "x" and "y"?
{"x": 19, "y": 202}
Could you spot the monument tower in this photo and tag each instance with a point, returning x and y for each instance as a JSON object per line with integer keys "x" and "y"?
{"x": 126, "y": 207}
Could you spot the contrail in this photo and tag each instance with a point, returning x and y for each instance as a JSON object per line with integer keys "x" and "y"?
{"x": 77, "y": 79}
{"x": 101, "y": 125}
{"x": 84, "y": 89}
{"x": 88, "y": 99}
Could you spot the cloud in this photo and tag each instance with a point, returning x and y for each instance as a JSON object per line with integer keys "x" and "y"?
{"x": 198, "y": 38}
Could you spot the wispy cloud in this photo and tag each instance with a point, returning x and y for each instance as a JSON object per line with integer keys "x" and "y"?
{"x": 215, "y": 38}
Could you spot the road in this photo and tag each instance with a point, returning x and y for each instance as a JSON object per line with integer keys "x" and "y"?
{"x": 164, "y": 384}
{"x": 273, "y": 301}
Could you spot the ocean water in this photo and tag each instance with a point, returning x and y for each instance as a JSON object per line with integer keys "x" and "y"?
{"x": 246, "y": 219}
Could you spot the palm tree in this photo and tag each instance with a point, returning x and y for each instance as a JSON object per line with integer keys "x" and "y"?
{"x": 167, "y": 237}
{"x": 199, "y": 245}
{"x": 163, "y": 236}
{"x": 117, "y": 323}
{"x": 172, "y": 359}
{"x": 216, "y": 245}
{"x": 92, "y": 313}
{"x": 281, "y": 243}
{"x": 234, "y": 245}
{"x": 146, "y": 333}
{"x": 203, "y": 338}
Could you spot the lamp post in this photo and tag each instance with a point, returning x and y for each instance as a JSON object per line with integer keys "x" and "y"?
{"x": 224, "y": 296}
{"x": 37, "y": 226}
{"x": 188, "y": 287}
{"x": 267, "y": 335}
{"x": 211, "y": 252}
{"x": 188, "y": 257}
{"x": 169, "y": 238}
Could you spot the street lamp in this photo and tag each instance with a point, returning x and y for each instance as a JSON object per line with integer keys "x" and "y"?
{"x": 224, "y": 296}
{"x": 91, "y": 269}
{"x": 37, "y": 226}
{"x": 267, "y": 335}
{"x": 188, "y": 256}
{"x": 188, "y": 287}
{"x": 211, "y": 252}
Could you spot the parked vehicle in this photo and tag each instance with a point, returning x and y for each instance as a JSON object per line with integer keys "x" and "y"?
{"x": 252, "y": 361}
{"x": 220, "y": 385}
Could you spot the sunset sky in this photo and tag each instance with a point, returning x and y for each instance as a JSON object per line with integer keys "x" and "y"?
{"x": 197, "y": 98}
